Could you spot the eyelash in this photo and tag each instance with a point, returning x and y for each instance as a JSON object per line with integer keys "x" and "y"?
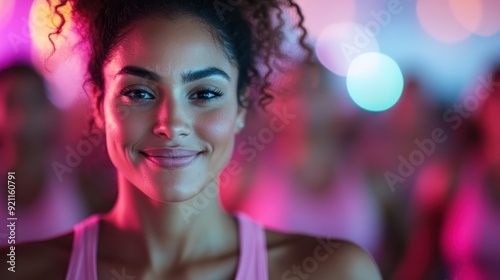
{"x": 215, "y": 92}
{"x": 128, "y": 93}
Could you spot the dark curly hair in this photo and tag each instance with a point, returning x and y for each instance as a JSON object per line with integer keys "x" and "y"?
{"x": 250, "y": 32}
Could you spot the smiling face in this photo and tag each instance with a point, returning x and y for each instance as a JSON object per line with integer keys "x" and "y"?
{"x": 170, "y": 109}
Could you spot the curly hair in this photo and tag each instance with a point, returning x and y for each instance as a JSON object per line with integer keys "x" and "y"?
{"x": 250, "y": 32}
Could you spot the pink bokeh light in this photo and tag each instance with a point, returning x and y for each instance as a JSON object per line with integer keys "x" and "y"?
{"x": 490, "y": 20}
{"x": 321, "y": 13}
{"x": 468, "y": 13}
{"x": 437, "y": 19}
{"x": 339, "y": 44}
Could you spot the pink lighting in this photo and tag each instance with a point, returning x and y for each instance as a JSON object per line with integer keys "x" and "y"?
{"x": 340, "y": 43}
{"x": 452, "y": 21}
{"x": 468, "y": 13}
{"x": 437, "y": 19}
{"x": 6, "y": 11}
{"x": 320, "y": 13}
{"x": 490, "y": 20}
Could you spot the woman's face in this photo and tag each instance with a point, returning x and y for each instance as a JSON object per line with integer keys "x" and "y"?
{"x": 170, "y": 107}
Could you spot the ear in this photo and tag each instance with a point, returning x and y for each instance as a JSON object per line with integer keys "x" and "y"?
{"x": 240, "y": 117}
{"x": 97, "y": 97}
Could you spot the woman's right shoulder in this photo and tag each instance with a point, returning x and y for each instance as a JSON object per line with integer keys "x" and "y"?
{"x": 45, "y": 259}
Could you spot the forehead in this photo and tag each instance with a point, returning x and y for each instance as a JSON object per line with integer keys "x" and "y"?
{"x": 168, "y": 45}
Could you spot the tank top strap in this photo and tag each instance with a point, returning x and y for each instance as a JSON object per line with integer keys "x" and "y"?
{"x": 253, "y": 250}
{"x": 83, "y": 262}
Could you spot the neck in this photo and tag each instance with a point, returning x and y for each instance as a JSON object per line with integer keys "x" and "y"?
{"x": 168, "y": 233}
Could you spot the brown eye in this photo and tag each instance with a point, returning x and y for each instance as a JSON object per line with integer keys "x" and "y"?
{"x": 206, "y": 95}
{"x": 136, "y": 94}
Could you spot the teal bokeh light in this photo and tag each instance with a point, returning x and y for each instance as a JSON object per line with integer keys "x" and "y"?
{"x": 374, "y": 81}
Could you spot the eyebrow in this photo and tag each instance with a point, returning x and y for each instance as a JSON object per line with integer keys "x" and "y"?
{"x": 188, "y": 77}
{"x": 192, "y": 76}
{"x": 139, "y": 72}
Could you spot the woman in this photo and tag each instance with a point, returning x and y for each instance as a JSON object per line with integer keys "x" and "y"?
{"x": 168, "y": 80}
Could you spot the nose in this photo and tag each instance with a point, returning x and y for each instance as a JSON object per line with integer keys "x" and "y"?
{"x": 172, "y": 121}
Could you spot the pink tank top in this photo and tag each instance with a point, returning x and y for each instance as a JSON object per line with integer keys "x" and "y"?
{"x": 252, "y": 263}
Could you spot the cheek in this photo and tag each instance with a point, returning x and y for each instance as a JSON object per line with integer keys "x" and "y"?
{"x": 124, "y": 128}
{"x": 217, "y": 128}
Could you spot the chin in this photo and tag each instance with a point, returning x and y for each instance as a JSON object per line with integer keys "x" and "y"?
{"x": 171, "y": 191}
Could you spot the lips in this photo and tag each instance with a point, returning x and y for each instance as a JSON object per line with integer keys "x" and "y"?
{"x": 170, "y": 158}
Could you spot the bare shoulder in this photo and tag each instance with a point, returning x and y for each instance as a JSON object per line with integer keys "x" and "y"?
{"x": 47, "y": 259}
{"x": 297, "y": 257}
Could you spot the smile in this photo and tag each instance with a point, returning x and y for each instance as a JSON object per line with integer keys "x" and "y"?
{"x": 170, "y": 158}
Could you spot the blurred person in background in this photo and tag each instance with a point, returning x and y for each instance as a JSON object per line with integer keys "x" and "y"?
{"x": 386, "y": 138}
{"x": 469, "y": 239}
{"x": 95, "y": 173}
{"x": 456, "y": 205}
{"x": 30, "y": 140}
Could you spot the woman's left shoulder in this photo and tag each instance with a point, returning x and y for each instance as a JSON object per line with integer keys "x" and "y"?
{"x": 296, "y": 256}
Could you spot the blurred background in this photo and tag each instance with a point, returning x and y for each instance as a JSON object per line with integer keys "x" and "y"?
{"x": 389, "y": 138}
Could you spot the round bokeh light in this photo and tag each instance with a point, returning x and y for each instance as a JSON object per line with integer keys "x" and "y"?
{"x": 374, "y": 81}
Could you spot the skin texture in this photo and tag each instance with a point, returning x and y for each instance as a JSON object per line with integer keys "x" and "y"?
{"x": 148, "y": 232}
